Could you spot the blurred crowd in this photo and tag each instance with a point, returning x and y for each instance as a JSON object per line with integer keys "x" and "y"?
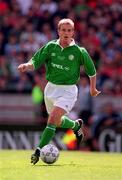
{"x": 25, "y": 26}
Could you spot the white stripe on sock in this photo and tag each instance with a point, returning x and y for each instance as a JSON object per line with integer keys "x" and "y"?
{"x": 51, "y": 128}
{"x": 63, "y": 122}
{"x": 73, "y": 125}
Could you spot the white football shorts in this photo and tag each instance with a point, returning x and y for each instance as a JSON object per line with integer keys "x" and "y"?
{"x": 63, "y": 96}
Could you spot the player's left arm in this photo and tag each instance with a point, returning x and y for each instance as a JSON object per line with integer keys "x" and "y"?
{"x": 93, "y": 90}
{"x": 91, "y": 72}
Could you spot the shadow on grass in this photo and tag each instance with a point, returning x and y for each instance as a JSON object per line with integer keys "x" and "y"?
{"x": 57, "y": 165}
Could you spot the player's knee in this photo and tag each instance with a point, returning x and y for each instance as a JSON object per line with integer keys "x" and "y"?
{"x": 54, "y": 119}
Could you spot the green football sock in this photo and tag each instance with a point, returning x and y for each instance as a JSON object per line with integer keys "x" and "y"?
{"x": 47, "y": 135}
{"x": 69, "y": 123}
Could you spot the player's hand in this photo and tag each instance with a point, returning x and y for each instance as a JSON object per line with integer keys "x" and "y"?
{"x": 94, "y": 92}
{"x": 25, "y": 67}
{"x": 22, "y": 67}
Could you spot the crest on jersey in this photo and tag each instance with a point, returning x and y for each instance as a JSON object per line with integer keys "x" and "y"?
{"x": 53, "y": 54}
{"x": 71, "y": 57}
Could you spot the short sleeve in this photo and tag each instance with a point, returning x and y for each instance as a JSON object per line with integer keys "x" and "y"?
{"x": 40, "y": 57}
{"x": 88, "y": 64}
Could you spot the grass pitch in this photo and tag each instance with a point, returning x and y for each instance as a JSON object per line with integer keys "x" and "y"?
{"x": 73, "y": 165}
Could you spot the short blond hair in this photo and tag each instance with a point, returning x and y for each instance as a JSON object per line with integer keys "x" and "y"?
{"x": 65, "y": 21}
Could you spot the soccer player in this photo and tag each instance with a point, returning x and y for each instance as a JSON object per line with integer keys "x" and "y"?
{"x": 63, "y": 59}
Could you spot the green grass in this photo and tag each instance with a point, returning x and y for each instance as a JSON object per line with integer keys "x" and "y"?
{"x": 15, "y": 165}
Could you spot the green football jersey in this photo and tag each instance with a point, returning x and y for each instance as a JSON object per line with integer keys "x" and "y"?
{"x": 63, "y": 64}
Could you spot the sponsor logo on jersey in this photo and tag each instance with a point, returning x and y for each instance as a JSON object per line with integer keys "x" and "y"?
{"x": 58, "y": 66}
{"x": 71, "y": 57}
{"x": 66, "y": 68}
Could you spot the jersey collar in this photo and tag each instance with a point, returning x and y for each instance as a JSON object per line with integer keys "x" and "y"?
{"x": 71, "y": 44}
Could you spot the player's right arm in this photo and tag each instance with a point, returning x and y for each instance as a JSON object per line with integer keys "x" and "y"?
{"x": 26, "y": 67}
{"x": 36, "y": 61}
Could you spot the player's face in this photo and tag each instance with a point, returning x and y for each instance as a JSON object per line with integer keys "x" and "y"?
{"x": 66, "y": 32}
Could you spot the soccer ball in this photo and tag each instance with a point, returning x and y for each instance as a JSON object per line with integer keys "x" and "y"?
{"x": 49, "y": 154}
